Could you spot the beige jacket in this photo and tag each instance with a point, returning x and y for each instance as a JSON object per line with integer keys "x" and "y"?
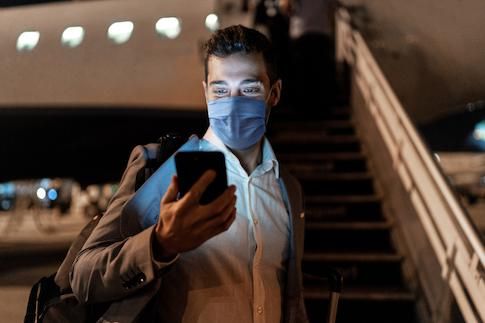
{"x": 116, "y": 263}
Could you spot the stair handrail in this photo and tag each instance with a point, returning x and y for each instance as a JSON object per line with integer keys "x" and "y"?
{"x": 454, "y": 239}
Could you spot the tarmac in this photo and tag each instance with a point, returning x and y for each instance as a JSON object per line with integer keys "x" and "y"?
{"x": 32, "y": 245}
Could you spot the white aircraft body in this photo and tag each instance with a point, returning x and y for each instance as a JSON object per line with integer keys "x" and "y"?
{"x": 113, "y": 53}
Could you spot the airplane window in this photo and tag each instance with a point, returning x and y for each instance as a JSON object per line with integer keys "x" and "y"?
{"x": 27, "y": 41}
{"x": 72, "y": 36}
{"x": 120, "y": 32}
{"x": 212, "y": 22}
{"x": 169, "y": 27}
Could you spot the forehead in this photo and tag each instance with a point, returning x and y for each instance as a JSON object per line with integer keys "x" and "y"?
{"x": 237, "y": 66}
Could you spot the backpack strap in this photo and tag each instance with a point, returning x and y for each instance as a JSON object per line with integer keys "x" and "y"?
{"x": 32, "y": 306}
{"x": 41, "y": 295}
{"x": 156, "y": 154}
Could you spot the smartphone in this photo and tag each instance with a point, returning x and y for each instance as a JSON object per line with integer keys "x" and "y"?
{"x": 191, "y": 165}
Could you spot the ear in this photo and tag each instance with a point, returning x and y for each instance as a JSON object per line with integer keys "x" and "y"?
{"x": 276, "y": 93}
{"x": 204, "y": 85}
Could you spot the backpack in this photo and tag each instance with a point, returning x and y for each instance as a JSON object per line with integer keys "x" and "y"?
{"x": 51, "y": 299}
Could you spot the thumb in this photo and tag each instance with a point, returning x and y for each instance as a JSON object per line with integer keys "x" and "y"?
{"x": 172, "y": 191}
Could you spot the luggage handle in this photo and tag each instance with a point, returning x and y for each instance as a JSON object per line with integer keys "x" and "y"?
{"x": 335, "y": 283}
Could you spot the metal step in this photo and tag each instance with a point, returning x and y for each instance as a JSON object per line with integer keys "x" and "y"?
{"x": 328, "y": 166}
{"x": 328, "y": 127}
{"x": 311, "y": 137}
{"x": 328, "y": 113}
{"x": 331, "y": 184}
{"x": 311, "y": 157}
{"x": 351, "y": 257}
{"x": 298, "y": 143}
{"x": 343, "y": 199}
{"x": 311, "y": 124}
{"x": 321, "y": 238}
{"x": 309, "y": 174}
{"x": 358, "y": 307}
{"x": 382, "y": 225}
{"x": 362, "y": 294}
{"x": 361, "y": 269}
{"x": 361, "y": 208}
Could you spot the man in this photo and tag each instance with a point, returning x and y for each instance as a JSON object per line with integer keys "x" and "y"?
{"x": 236, "y": 259}
{"x": 312, "y": 62}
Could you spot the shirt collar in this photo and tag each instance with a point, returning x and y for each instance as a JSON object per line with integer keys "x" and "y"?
{"x": 268, "y": 159}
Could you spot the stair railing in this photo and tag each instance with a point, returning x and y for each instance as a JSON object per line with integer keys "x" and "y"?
{"x": 454, "y": 239}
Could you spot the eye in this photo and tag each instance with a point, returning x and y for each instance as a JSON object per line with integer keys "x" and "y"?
{"x": 219, "y": 91}
{"x": 252, "y": 90}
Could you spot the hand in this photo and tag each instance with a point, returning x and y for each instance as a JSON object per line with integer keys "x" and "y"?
{"x": 184, "y": 225}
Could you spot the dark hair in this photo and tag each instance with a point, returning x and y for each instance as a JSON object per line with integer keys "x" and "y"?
{"x": 240, "y": 39}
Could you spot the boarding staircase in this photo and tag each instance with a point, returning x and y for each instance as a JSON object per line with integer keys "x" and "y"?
{"x": 346, "y": 228}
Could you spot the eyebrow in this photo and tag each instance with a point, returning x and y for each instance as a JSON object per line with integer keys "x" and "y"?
{"x": 217, "y": 83}
{"x": 246, "y": 81}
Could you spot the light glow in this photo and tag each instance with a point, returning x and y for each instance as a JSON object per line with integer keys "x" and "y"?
{"x": 41, "y": 193}
{"x": 6, "y": 204}
{"x": 120, "y": 32}
{"x": 212, "y": 22}
{"x": 479, "y": 132}
{"x": 72, "y": 36}
{"x": 169, "y": 27}
{"x": 27, "y": 41}
{"x": 52, "y": 194}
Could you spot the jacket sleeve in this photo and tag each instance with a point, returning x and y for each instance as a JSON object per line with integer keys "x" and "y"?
{"x": 111, "y": 264}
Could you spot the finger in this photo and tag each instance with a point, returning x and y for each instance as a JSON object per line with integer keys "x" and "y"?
{"x": 196, "y": 191}
{"x": 220, "y": 223}
{"x": 230, "y": 219}
{"x": 226, "y": 222}
{"x": 209, "y": 212}
{"x": 222, "y": 200}
{"x": 172, "y": 191}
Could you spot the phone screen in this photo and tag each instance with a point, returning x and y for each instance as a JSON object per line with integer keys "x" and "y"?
{"x": 191, "y": 165}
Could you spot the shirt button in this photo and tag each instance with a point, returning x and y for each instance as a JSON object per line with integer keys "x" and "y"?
{"x": 255, "y": 221}
{"x": 260, "y": 310}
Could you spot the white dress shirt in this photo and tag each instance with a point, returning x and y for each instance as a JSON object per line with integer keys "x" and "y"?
{"x": 238, "y": 275}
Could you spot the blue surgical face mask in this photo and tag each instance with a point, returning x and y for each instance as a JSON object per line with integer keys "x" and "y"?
{"x": 239, "y": 121}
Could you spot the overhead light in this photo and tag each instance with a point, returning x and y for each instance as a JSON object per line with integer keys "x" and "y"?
{"x": 72, "y": 36}
{"x": 169, "y": 27}
{"x": 120, "y": 32}
{"x": 27, "y": 41}
{"x": 212, "y": 22}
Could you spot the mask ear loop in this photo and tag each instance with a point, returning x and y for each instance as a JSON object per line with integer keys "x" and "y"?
{"x": 269, "y": 96}
{"x": 267, "y": 105}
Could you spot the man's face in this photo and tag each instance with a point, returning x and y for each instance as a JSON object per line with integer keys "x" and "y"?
{"x": 240, "y": 75}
